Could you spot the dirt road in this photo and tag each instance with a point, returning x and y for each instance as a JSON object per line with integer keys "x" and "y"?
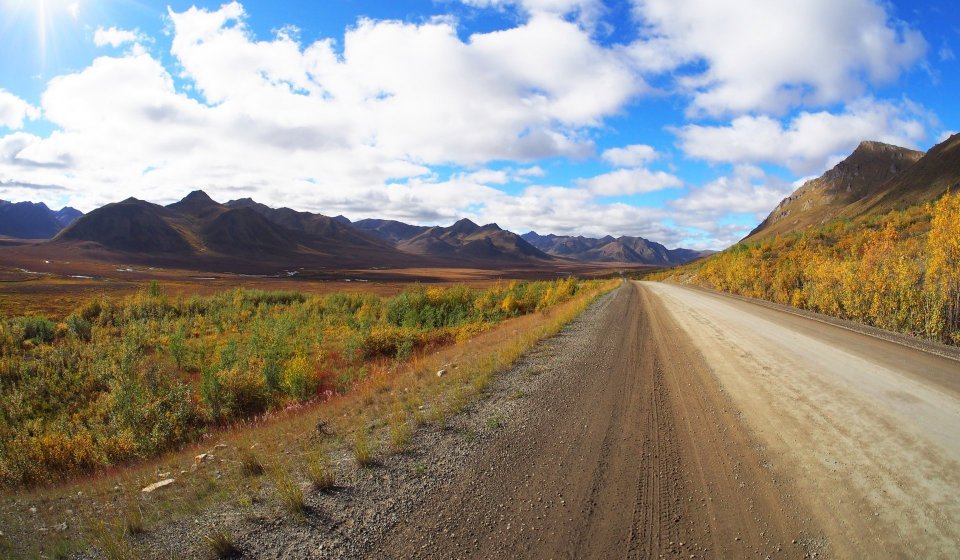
{"x": 698, "y": 426}
{"x": 868, "y": 432}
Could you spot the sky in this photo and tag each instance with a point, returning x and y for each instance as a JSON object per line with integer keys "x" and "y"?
{"x": 681, "y": 121}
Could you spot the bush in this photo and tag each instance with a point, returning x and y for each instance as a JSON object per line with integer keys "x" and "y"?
{"x": 37, "y": 329}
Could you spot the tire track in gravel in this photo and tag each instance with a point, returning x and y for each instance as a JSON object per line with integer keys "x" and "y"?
{"x": 631, "y": 451}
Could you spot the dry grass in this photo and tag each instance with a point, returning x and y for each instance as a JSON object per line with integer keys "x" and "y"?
{"x": 320, "y": 472}
{"x": 221, "y": 544}
{"x": 110, "y": 540}
{"x": 250, "y": 464}
{"x": 288, "y": 490}
{"x": 362, "y": 451}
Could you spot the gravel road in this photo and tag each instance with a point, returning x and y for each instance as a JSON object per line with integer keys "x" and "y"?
{"x": 629, "y": 451}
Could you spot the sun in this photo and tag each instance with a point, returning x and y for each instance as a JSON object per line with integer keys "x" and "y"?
{"x": 46, "y": 16}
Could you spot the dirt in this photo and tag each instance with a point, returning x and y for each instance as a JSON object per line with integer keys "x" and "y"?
{"x": 867, "y": 428}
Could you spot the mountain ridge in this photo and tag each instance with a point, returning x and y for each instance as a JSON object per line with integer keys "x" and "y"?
{"x": 841, "y": 191}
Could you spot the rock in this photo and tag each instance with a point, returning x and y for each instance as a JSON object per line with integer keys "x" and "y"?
{"x": 33, "y": 509}
{"x": 202, "y": 458}
{"x": 164, "y": 475}
{"x": 158, "y": 485}
{"x": 62, "y": 527}
{"x": 220, "y": 446}
{"x": 441, "y": 373}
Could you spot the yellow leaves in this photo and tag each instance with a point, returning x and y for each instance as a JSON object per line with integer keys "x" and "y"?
{"x": 887, "y": 270}
{"x": 509, "y": 304}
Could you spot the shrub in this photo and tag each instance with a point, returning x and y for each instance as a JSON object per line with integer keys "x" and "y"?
{"x": 37, "y": 329}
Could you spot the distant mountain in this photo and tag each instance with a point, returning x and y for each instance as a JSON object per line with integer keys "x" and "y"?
{"x": 67, "y": 215}
{"x": 316, "y": 226}
{"x": 858, "y": 178}
{"x": 33, "y": 220}
{"x": 622, "y": 249}
{"x": 389, "y": 230}
{"x": 132, "y": 226}
{"x": 466, "y": 240}
{"x": 197, "y": 230}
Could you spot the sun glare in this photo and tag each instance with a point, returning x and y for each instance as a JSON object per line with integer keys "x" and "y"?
{"x": 47, "y": 17}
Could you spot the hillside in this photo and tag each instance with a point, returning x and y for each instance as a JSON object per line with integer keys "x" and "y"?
{"x": 316, "y": 226}
{"x": 930, "y": 177}
{"x": 34, "y": 220}
{"x": 609, "y": 249}
{"x": 131, "y": 226}
{"x": 839, "y": 191}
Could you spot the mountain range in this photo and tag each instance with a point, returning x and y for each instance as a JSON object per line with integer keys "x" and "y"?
{"x": 33, "y": 220}
{"x": 243, "y": 234}
{"x": 875, "y": 178}
{"x": 609, "y": 249}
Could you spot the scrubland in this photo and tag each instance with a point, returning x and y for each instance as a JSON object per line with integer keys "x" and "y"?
{"x": 122, "y": 380}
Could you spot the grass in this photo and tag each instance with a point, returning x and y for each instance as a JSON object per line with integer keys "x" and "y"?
{"x": 320, "y": 472}
{"x": 362, "y": 451}
{"x": 289, "y": 438}
{"x": 151, "y": 373}
{"x": 221, "y": 544}
{"x": 401, "y": 430}
{"x": 289, "y": 491}
{"x": 111, "y": 540}
{"x": 494, "y": 422}
{"x": 133, "y": 518}
{"x": 250, "y": 464}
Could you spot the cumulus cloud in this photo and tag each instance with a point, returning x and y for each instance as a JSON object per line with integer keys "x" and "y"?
{"x": 747, "y": 190}
{"x": 322, "y": 123}
{"x": 629, "y": 181}
{"x": 14, "y": 111}
{"x": 770, "y": 55}
{"x": 634, "y": 155}
{"x": 810, "y": 140}
{"x": 114, "y": 37}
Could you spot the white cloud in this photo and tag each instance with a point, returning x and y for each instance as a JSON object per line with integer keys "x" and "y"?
{"x": 748, "y": 190}
{"x": 73, "y": 8}
{"x": 535, "y": 171}
{"x": 810, "y": 140}
{"x": 316, "y": 126}
{"x": 629, "y": 181}
{"x": 770, "y": 55}
{"x": 114, "y": 37}
{"x": 634, "y": 155}
{"x": 14, "y": 111}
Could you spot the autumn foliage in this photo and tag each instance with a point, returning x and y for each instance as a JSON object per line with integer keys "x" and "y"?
{"x": 121, "y": 380}
{"x": 899, "y": 271}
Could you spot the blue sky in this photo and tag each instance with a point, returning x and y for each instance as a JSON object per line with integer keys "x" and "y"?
{"x": 683, "y": 121}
